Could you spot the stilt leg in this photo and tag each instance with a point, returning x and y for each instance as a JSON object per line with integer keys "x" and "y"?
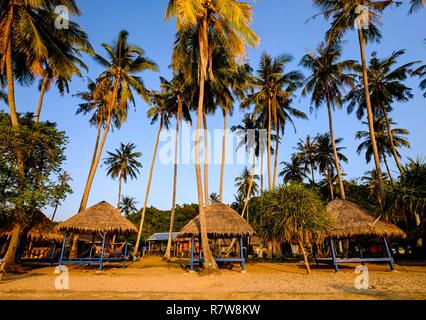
{"x": 63, "y": 249}
{"x": 102, "y": 252}
{"x": 389, "y": 255}
{"x": 243, "y": 267}
{"x": 333, "y": 253}
{"x": 191, "y": 261}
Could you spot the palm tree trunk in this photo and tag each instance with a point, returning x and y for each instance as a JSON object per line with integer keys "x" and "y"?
{"x": 277, "y": 143}
{"x": 269, "y": 145}
{"x": 222, "y": 171}
{"x": 305, "y": 256}
{"x": 166, "y": 256}
{"x": 333, "y": 142}
{"x": 120, "y": 179}
{"x": 330, "y": 183}
{"x": 312, "y": 173}
{"x": 9, "y": 260}
{"x": 261, "y": 173}
{"x": 98, "y": 136}
{"x": 370, "y": 116}
{"x": 209, "y": 262}
{"x": 392, "y": 143}
{"x": 148, "y": 187}
{"x": 40, "y": 99}
{"x": 54, "y": 211}
{"x": 385, "y": 160}
{"x": 206, "y": 160}
{"x": 249, "y": 188}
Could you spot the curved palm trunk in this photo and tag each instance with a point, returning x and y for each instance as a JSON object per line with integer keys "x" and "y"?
{"x": 40, "y": 99}
{"x": 209, "y": 262}
{"x": 392, "y": 143}
{"x": 120, "y": 180}
{"x": 54, "y": 211}
{"x": 206, "y": 160}
{"x": 277, "y": 143}
{"x": 172, "y": 213}
{"x": 148, "y": 187}
{"x": 370, "y": 116}
{"x": 385, "y": 160}
{"x": 330, "y": 183}
{"x": 9, "y": 260}
{"x": 269, "y": 145}
{"x": 222, "y": 171}
{"x": 333, "y": 142}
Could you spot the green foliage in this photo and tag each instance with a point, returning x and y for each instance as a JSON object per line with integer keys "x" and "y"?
{"x": 293, "y": 212}
{"x": 42, "y": 147}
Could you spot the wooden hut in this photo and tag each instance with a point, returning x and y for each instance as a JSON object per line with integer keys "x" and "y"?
{"x": 101, "y": 220}
{"x": 38, "y": 240}
{"x": 351, "y": 221}
{"x": 222, "y": 222}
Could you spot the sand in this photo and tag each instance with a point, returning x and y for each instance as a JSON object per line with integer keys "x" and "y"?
{"x": 151, "y": 278}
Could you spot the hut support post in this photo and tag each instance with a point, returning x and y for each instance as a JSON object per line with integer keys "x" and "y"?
{"x": 52, "y": 255}
{"x": 125, "y": 255}
{"x": 333, "y": 253}
{"x": 388, "y": 253}
{"x": 63, "y": 249}
{"x": 243, "y": 267}
{"x": 102, "y": 252}
{"x": 192, "y": 254}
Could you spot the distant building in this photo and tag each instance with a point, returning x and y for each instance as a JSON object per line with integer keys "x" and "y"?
{"x": 157, "y": 243}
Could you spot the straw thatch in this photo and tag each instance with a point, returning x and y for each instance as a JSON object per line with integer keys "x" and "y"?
{"x": 221, "y": 222}
{"x": 350, "y": 220}
{"x": 41, "y": 227}
{"x": 101, "y": 218}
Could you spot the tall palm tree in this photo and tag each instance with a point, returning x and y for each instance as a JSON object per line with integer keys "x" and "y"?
{"x": 306, "y": 152}
{"x": 177, "y": 96}
{"x": 325, "y": 157}
{"x": 27, "y": 36}
{"x": 363, "y": 15}
{"x": 123, "y": 164}
{"x": 158, "y": 112}
{"x": 293, "y": 171}
{"x": 326, "y": 85}
{"x": 386, "y": 87}
{"x": 273, "y": 88}
{"x": 231, "y": 20}
{"x": 123, "y": 64}
{"x": 384, "y": 145}
{"x": 247, "y": 187}
{"x": 64, "y": 178}
{"x": 128, "y": 205}
{"x": 421, "y": 72}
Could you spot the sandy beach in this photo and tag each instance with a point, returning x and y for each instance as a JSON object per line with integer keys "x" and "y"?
{"x": 151, "y": 278}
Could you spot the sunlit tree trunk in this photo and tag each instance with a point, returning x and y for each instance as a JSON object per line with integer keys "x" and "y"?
{"x": 222, "y": 171}
{"x": 305, "y": 256}
{"x": 40, "y": 99}
{"x": 120, "y": 180}
{"x": 8, "y": 263}
{"x": 370, "y": 116}
{"x": 209, "y": 262}
{"x": 206, "y": 160}
{"x": 148, "y": 187}
{"x": 269, "y": 145}
{"x": 261, "y": 173}
{"x": 330, "y": 183}
{"x": 333, "y": 142}
{"x": 385, "y": 160}
{"x": 277, "y": 143}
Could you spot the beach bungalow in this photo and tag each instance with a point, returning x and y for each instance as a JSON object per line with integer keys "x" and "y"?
{"x": 157, "y": 243}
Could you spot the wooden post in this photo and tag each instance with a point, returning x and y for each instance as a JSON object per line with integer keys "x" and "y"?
{"x": 192, "y": 254}
{"x": 125, "y": 254}
{"x": 333, "y": 253}
{"x": 63, "y": 249}
{"x": 102, "y": 252}
{"x": 389, "y": 255}
{"x": 243, "y": 267}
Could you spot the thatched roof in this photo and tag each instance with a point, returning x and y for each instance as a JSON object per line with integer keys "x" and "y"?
{"x": 221, "y": 222}
{"x": 41, "y": 227}
{"x": 349, "y": 220}
{"x": 102, "y": 218}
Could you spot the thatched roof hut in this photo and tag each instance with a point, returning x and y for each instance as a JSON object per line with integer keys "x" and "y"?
{"x": 221, "y": 222}
{"x": 100, "y": 218}
{"x": 41, "y": 227}
{"x": 349, "y": 220}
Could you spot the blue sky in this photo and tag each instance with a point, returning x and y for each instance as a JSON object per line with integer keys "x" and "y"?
{"x": 282, "y": 28}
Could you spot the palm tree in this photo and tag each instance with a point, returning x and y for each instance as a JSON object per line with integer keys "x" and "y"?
{"x": 325, "y": 157}
{"x": 125, "y": 61}
{"x": 273, "y": 89}
{"x": 364, "y": 16}
{"x": 416, "y": 5}
{"x": 306, "y": 153}
{"x": 384, "y": 144}
{"x": 214, "y": 198}
{"x": 326, "y": 84}
{"x": 293, "y": 171}
{"x": 386, "y": 87}
{"x": 247, "y": 187}
{"x": 128, "y": 205}
{"x": 177, "y": 97}
{"x": 159, "y": 112}
{"x": 231, "y": 20}
{"x": 64, "y": 178}
{"x": 421, "y": 72}
{"x": 370, "y": 179}
{"x": 123, "y": 164}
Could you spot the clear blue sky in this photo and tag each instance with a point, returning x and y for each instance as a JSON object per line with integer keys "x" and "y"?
{"x": 282, "y": 28}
